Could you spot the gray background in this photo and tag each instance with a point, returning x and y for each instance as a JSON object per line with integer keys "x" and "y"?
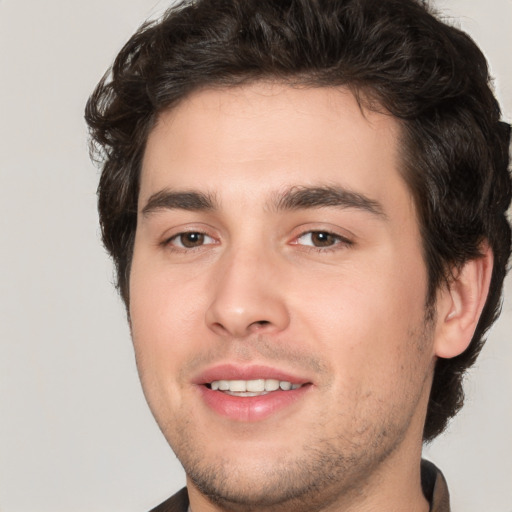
{"x": 75, "y": 432}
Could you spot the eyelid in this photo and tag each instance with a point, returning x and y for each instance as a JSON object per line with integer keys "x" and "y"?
{"x": 337, "y": 237}
{"x": 177, "y": 236}
{"x": 342, "y": 240}
{"x": 178, "y": 231}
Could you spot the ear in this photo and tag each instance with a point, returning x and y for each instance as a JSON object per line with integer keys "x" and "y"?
{"x": 460, "y": 304}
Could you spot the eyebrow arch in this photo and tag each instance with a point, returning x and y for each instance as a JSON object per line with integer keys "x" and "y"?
{"x": 179, "y": 200}
{"x": 298, "y": 198}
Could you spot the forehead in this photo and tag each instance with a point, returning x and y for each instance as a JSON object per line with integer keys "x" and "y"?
{"x": 272, "y": 136}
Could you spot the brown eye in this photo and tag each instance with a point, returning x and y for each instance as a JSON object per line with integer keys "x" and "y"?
{"x": 190, "y": 240}
{"x": 321, "y": 239}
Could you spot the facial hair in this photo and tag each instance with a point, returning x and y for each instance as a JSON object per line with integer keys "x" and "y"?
{"x": 325, "y": 469}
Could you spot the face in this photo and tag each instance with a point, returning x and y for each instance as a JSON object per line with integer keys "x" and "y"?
{"x": 278, "y": 296}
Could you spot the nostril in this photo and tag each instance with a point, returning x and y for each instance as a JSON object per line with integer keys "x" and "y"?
{"x": 260, "y": 323}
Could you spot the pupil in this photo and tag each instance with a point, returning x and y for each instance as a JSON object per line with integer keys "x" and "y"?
{"x": 322, "y": 239}
{"x": 192, "y": 239}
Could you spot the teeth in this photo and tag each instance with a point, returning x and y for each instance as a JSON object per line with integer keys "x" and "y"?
{"x": 271, "y": 385}
{"x": 252, "y": 387}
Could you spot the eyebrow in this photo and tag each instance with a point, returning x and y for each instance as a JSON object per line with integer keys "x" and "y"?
{"x": 179, "y": 200}
{"x": 295, "y": 198}
{"x": 298, "y": 198}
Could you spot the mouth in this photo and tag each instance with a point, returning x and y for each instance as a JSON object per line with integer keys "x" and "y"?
{"x": 251, "y": 388}
{"x": 254, "y": 393}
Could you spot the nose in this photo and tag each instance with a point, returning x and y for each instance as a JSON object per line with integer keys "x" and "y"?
{"x": 247, "y": 297}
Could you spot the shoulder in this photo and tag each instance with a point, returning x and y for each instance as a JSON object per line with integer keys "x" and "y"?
{"x": 434, "y": 487}
{"x": 176, "y": 503}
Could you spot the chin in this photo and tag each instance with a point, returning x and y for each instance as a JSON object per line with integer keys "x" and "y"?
{"x": 242, "y": 488}
{"x": 273, "y": 479}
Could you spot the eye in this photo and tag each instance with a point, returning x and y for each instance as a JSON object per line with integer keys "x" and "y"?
{"x": 321, "y": 239}
{"x": 190, "y": 240}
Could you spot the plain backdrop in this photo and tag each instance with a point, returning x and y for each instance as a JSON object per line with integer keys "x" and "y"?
{"x": 75, "y": 432}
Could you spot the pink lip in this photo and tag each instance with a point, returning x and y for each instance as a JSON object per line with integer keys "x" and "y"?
{"x": 236, "y": 372}
{"x": 249, "y": 409}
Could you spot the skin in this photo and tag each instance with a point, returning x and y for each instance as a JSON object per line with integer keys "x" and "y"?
{"x": 260, "y": 285}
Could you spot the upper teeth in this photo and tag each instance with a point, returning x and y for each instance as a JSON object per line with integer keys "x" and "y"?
{"x": 254, "y": 386}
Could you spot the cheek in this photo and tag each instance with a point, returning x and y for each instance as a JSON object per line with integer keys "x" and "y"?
{"x": 363, "y": 296}
{"x": 366, "y": 319}
{"x": 167, "y": 311}
{"x": 158, "y": 344}
{"x": 152, "y": 322}
{"x": 160, "y": 318}
{"x": 161, "y": 297}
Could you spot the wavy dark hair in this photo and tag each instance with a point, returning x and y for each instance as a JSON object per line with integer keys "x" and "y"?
{"x": 395, "y": 55}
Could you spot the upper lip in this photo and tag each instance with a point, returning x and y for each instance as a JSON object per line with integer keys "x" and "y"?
{"x": 241, "y": 372}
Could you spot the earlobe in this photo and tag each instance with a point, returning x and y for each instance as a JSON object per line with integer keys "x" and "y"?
{"x": 460, "y": 304}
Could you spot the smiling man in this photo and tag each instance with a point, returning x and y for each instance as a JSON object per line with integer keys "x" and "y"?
{"x": 305, "y": 202}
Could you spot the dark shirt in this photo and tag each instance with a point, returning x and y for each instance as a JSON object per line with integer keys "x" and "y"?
{"x": 432, "y": 481}
{"x": 434, "y": 487}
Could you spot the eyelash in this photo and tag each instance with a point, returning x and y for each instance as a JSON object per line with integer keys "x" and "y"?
{"x": 339, "y": 242}
{"x": 178, "y": 236}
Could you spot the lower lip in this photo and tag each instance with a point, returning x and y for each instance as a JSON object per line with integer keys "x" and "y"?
{"x": 253, "y": 408}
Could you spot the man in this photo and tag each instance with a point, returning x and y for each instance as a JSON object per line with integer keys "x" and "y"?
{"x": 305, "y": 202}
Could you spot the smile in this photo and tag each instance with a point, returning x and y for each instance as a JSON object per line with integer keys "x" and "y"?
{"x": 251, "y": 393}
{"x": 250, "y": 388}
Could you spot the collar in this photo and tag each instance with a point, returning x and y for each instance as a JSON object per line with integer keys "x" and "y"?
{"x": 434, "y": 487}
